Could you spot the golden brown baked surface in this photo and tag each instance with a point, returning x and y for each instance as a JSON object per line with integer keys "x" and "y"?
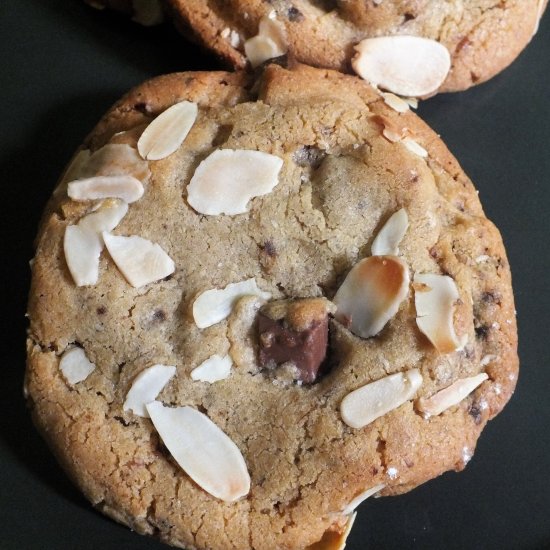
{"x": 341, "y": 180}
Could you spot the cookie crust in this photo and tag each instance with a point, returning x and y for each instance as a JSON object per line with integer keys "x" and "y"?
{"x": 306, "y": 465}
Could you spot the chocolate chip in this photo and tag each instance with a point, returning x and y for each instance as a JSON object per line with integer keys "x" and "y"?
{"x": 269, "y": 248}
{"x": 309, "y": 155}
{"x": 268, "y": 255}
{"x": 143, "y": 107}
{"x": 296, "y": 332}
{"x": 475, "y": 413}
{"x": 159, "y": 316}
{"x": 101, "y": 310}
{"x": 490, "y": 297}
{"x": 294, "y": 14}
{"x": 482, "y": 332}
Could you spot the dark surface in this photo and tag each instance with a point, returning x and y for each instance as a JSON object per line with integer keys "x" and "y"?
{"x": 63, "y": 65}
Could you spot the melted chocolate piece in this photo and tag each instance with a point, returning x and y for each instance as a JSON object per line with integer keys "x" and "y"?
{"x": 294, "y": 332}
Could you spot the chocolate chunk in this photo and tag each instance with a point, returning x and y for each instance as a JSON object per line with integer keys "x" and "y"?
{"x": 295, "y": 332}
{"x": 294, "y": 14}
{"x": 475, "y": 413}
{"x": 308, "y": 155}
{"x": 482, "y": 332}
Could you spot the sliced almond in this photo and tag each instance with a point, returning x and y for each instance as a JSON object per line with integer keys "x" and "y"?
{"x": 206, "y": 453}
{"x": 395, "y": 102}
{"x": 386, "y": 243}
{"x": 364, "y": 405}
{"x": 226, "y": 180}
{"x": 146, "y": 387}
{"x": 83, "y": 243}
{"x": 106, "y": 217}
{"x": 405, "y": 65}
{"x": 75, "y": 366}
{"x": 371, "y": 294}
{"x": 140, "y": 261}
{"x": 414, "y": 147}
{"x": 213, "y": 369}
{"x": 166, "y": 133}
{"x": 82, "y": 248}
{"x": 113, "y": 159}
{"x": 270, "y": 42}
{"x": 434, "y": 301}
{"x": 127, "y": 188}
{"x": 361, "y": 497}
{"x": 450, "y": 396}
{"x": 391, "y": 130}
{"x": 334, "y": 540}
{"x": 213, "y": 306}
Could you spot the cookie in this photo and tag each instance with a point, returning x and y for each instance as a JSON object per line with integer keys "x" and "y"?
{"x": 256, "y": 303}
{"x": 481, "y": 36}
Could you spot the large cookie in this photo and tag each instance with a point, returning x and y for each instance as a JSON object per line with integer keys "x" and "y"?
{"x": 302, "y": 292}
{"x": 482, "y": 36}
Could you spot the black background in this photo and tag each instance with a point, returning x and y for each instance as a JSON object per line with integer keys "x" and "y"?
{"x": 62, "y": 65}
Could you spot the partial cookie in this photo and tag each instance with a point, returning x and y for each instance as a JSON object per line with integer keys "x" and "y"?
{"x": 482, "y": 37}
{"x": 303, "y": 282}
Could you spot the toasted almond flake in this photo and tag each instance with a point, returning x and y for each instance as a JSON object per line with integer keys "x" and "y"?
{"x": 213, "y": 306}
{"x": 367, "y": 403}
{"x": 391, "y": 135}
{"x": 166, "y": 133}
{"x": 204, "y": 451}
{"x": 147, "y": 12}
{"x": 333, "y": 540}
{"x": 146, "y": 387}
{"x": 106, "y": 217}
{"x": 362, "y": 497}
{"x": 127, "y": 188}
{"x": 395, "y": 102}
{"x": 452, "y": 395}
{"x": 213, "y": 369}
{"x": 140, "y": 261}
{"x": 434, "y": 310}
{"x": 75, "y": 366}
{"x": 414, "y": 147}
{"x": 270, "y": 42}
{"x": 371, "y": 294}
{"x": 227, "y": 179}
{"x": 82, "y": 248}
{"x": 411, "y": 101}
{"x": 405, "y": 65}
{"x": 113, "y": 159}
{"x": 386, "y": 243}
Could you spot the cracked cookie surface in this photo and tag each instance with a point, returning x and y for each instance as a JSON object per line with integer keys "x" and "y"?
{"x": 340, "y": 182}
